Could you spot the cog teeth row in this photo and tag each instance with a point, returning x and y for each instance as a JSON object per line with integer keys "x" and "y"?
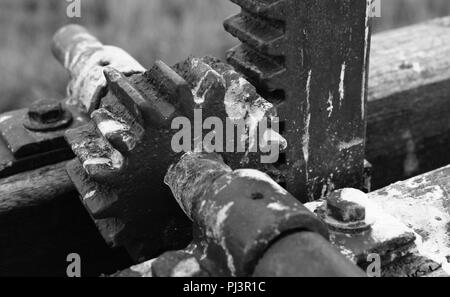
{"x": 101, "y": 203}
{"x": 125, "y": 132}
{"x": 263, "y": 35}
{"x": 141, "y": 108}
{"x": 273, "y": 9}
{"x": 264, "y": 71}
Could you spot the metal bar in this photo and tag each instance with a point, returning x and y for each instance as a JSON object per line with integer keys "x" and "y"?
{"x": 244, "y": 224}
{"x": 311, "y": 58}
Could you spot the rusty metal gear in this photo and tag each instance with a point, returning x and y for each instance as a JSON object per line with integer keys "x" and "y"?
{"x": 124, "y": 153}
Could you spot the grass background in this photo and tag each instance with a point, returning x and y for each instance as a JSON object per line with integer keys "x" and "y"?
{"x": 148, "y": 29}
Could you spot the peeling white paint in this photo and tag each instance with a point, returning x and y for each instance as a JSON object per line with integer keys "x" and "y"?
{"x": 87, "y": 77}
{"x": 272, "y": 136}
{"x": 200, "y": 99}
{"x": 260, "y": 176}
{"x": 186, "y": 268}
{"x": 222, "y": 215}
{"x": 5, "y": 118}
{"x": 109, "y": 127}
{"x": 312, "y": 206}
{"x": 234, "y": 107}
{"x": 306, "y": 137}
{"x": 202, "y": 205}
{"x": 417, "y": 67}
{"x": 254, "y": 117}
{"x": 446, "y": 266}
{"x": 342, "y": 84}
{"x": 96, "y": 161}
{"x": 252, "y": 112}
{"x": 384, "y": 228}
{"x": 330, "y": 104}
{"x": 277, "y": 206}
{"x": 426, "y": 214}
{"x": 347, "y": 145}
{"x": 115, "y": 161}
{"x": 144, "y": 269}
{"x": 366, "y": 47}
{"x": 89, "y": 195}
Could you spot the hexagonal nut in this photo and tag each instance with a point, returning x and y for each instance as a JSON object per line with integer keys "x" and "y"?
{"x": 46, "y": 111}
{"x": 341, "y": 206}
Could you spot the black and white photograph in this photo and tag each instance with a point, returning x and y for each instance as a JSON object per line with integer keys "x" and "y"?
{"x": 227, "y": 146}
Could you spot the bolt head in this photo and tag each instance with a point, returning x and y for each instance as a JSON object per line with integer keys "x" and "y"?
{"x": 46, "y": 111}
{"x": 341, "y": 207}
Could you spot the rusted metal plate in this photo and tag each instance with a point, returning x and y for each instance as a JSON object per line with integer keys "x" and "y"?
{"x": 310, "y": 57}
{"x": 402, "y": 232}
{"x": 23, "y": 148}
{"x": 386, "y": 236}
{"x": 423, "y": 204}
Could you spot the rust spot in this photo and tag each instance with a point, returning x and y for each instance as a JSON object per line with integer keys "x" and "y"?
{"x": 257, "y": 196}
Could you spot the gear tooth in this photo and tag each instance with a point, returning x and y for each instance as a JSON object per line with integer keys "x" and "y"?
{"x": 119, "y": 128}
{"x": 98, "y": 158}
{"x": 266, "y": 8}
{"x": 263, "y": 35}
{"x": 140, "y": 106}
{"x": 111, "y": 230}
{"x": 125, "y": 92}
{"x": 208, "y": 86}
{"x": 100, "y": 204}
{"x": 261, "y": 70}
{"x": 172, "y": 87}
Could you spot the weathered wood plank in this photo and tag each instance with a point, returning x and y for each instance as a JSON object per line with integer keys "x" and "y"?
{"x": 409, "y": 101}
{"x": 34, "y": 188}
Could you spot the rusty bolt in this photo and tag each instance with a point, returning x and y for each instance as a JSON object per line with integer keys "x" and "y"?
{"x": 47, "y": 115}
{"x": 343, "y": 213}
{"x": 46, "y": 112}
{"x": 344, "y": 210}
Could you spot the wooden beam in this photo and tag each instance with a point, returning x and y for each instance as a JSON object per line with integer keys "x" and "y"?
{"x": 42, "y": 221}
{"x": 409, "y": 101}
{"x": 34, "y": 188}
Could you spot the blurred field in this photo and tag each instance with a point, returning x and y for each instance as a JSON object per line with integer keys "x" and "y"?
{"x": 148, "y": 29}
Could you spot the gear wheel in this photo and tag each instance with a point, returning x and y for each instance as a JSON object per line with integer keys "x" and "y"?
{"x": 125, "y": 151}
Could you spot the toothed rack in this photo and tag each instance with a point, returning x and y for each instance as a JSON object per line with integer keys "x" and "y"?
{"x": 310, "y": 58}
